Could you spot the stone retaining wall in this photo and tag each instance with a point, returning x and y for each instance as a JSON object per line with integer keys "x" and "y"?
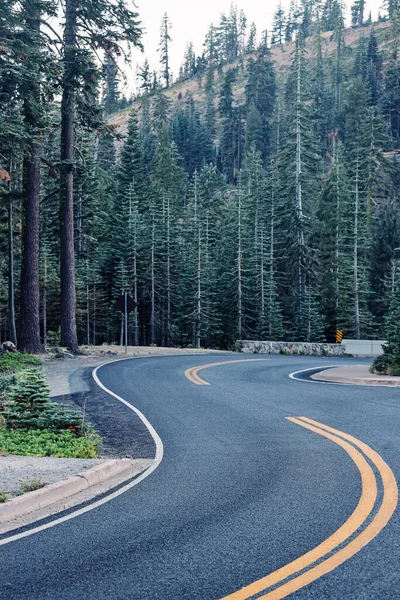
{"x": 305, "y": 348}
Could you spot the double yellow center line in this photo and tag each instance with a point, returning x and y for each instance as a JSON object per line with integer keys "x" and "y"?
{"x": 288, "y": 577}
{"x": 192, "y": 373}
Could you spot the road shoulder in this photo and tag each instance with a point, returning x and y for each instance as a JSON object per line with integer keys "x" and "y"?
{"x": 355, "y": 375}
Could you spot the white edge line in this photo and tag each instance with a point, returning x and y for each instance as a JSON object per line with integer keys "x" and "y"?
{"x": 157, "y": 460}
{"x": 292, "y": 376}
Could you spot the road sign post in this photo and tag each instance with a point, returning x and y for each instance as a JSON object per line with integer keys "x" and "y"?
{"x": 126, "y": 305}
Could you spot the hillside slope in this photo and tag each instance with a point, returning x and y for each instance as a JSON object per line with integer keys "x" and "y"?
{"x": 281, "y": 56}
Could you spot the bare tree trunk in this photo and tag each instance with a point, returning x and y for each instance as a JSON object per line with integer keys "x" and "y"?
{"x": 197, "y": 335}
{"x": 299, "y": 198}
{"x": 67, "y": 253}
{"x": 11, "y": 288}
{"x": 239, "y": 268}
{"x": 44, "y": 304}
{"x": 121, "y": 337}
{"x": 135, "y": 297}
{"x": 355, "y": 256}
{"x": 87, "y": 306}
{"x": 29, "y": 326}
{"x": 153, "y": 295}
{"x": 262, "y": 282}
{"x": 133, "y": 226}
{"x": 94, "y": 313}
{"x": 168, "y": 316}
{"x": 337, "y": 241}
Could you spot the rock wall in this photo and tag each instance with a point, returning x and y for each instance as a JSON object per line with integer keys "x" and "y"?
{"x": 304, "y": 348}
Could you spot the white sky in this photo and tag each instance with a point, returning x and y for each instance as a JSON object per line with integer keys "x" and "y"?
{"x": 191, "y": 20}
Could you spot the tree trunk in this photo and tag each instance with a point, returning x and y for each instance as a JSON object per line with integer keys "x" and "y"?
{"x": 239, "y": 269}
{"x": 168, "y": 316}
{"x": 29, "y": 326}
{"x": 153, "y": 294}
{"x": 67, "y": 253}
{"x": 355, "y": 258}
{"x": 197, "y": 336}
{"x": 11, "y": 288}
{"x": 299, "y": 198}
{"x": 44, "y": 303}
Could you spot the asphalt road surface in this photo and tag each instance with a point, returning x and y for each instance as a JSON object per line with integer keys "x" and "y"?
{"x": 241, "y": 492}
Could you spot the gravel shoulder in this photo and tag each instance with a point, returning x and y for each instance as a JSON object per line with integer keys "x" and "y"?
{"x": 17, "y": 469}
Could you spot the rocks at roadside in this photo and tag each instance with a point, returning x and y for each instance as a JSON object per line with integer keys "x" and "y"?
{"x": 302, "y": 348}
{"x": 8, "y": 347}
{"x": 63, "y": 353}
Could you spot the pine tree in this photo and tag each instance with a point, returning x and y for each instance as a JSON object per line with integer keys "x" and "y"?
{"x": 229, "y": 128}
{"x": 111, "y": 100}
{"x": 97, "y": 18}
{"x": 252, "y": 39}
{"x": 261, "y": 93}
{"x": 391, "y": 97}
{"x": 357, "y": 13}
{"x": 299, "y": 166}
{"x": 278, "y": 28}
{"x": 163, "y": 48}
{"x": 145, "y": 77}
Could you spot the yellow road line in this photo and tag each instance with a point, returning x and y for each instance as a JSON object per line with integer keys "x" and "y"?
{"x": 192, "y": 372}
{"x": 360, "y": 514}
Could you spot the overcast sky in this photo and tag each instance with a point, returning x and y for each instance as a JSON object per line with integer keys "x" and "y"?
{"x": 190, "y": 21}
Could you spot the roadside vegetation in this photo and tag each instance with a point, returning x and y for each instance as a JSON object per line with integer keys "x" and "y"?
{"x": 389, "y": 362}
{"x": 30, "y": 423}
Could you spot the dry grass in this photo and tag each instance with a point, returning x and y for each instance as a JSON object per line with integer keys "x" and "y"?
{"x": 281, "y": 57}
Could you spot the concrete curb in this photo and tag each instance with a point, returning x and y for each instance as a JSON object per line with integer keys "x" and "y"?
{"x": 32, "y": 501}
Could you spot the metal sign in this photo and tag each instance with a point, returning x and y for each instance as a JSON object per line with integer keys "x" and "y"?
{"x": 339, "y": 336}
{"x": 128, "y": 302}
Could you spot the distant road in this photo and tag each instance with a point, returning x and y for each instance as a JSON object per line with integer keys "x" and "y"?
{"x": 246, "y": 503}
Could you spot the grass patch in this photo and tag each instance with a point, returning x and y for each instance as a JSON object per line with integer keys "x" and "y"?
{"x": 29, "y": 485}
{"x": 62, "y": 444}
{"x": 13, "y": 362}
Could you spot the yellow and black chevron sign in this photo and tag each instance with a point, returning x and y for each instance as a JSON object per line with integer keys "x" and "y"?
{"x": 339, "y": 336}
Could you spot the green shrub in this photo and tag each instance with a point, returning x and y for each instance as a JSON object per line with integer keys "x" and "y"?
{"x": 12, "y": 362}
{"x": 5, "y": 382}
{"x": 53, "y": 338}
{"x": 389, "y": 362}
{"x": 64, "y": 444}
{"x": 382, "y": 364}
{"x": 3, "y": 497}
{"x": 27, "y": 398}
{"x": 30, "y": 407}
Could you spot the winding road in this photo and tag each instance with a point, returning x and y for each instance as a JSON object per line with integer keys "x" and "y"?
{"x": 264, "y": 487}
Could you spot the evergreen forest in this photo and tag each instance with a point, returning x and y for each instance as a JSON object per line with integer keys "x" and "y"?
{"x": 253, "y": 195}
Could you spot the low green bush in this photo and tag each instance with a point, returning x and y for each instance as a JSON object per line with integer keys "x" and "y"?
{"x": 64, "y": 444}
{"x": 3, "y": 497}
{"x": 13, "y": 362}
{"x": 29, "y": 406}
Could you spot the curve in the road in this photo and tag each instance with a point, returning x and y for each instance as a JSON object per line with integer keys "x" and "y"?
{"x": 192, "y": 372}
{"x": 356, "y": 520}
{"x": 121, "y": 490}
